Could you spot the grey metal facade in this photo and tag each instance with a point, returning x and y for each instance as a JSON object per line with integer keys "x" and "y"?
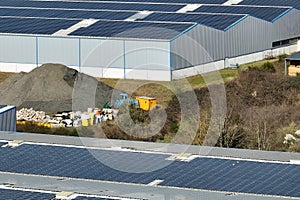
{"x": 203, "y": 44}
{"x": 17, "y": 49}
{"x": 94, "y": 56}
{"x": 146, "y": 58}
{"x": 8, "y": 118}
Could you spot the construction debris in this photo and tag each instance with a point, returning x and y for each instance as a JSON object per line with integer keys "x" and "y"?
{"x": 65, "y": 119}
{"x": 26, "y": 114}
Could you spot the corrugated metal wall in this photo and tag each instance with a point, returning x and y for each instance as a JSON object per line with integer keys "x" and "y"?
{"x": 96, "y": 57}
{"x": 8, "y": 118}
{"x": 148, "y": 59}
{"x": 58, "y": 50}
{"x": 17, "y": 49}
{"x": 202, "y": 44}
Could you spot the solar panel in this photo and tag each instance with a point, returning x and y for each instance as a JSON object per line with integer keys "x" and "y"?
{"x": 90, "y": 5}
{"x": 174, "y": 1}
{"x": 200, "y": 173}
{"x": 2, "y": 143}
{"x": 266, "y": 13}
{"x": 294, "y": 3}
{"x": 51, "y": 13}
{"x": 21, "y": 195}
{"x": 132, "y": 30}
{"x": 212, "y": 20}
{"x": 78, "y": 163}
{"x": 92, "y": 198}
{"x": 34, "y": 25}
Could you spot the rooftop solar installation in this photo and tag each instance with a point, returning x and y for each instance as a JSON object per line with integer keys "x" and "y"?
{"x": 52, "y": 13}
{"x": 266, "y": 13}
{"x": 7, "y": 194}
{"x": 132, "y": 29}
{"x": 201, "y": 173}
{"x": 174, "y": 1}
{"x": 34, "y": 25}
{"x": 90, "y": 5}
{"x": 212, "y": 20}
{"x": 92, "y": 198}
{"x": 293, "y": 3}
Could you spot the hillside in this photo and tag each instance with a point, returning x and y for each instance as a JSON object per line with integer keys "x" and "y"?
{"x": 262, "y": 107}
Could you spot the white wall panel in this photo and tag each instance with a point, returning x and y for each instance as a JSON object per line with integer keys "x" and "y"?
{"x": 102, "y": 53}
{"x": 58, "y": 50}
{"x": 148, "y": 55}
{"x": 155, "y": 75}
{"x": 16, "y": 67}
{"x": 17, "y": 49}
{"x": 100, "y": 72}
{"x": 199, "y": 69}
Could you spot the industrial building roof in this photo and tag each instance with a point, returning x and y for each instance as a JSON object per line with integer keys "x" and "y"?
{"x": 266, "y": 13}
{"x": 125, "y": 169}
{"x": 293, "y": 3}
{"x": 129, "y": 19}
{"x": 295, "y": 56}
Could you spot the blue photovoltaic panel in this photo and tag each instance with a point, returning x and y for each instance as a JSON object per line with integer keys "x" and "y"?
{"x": 293, "y": 3}
{"x": 266, "y": 13}
{"x": 34, "y": 25}
{"x": 174, "y": 1}
{"x": 2, "y": 143}
{"x": 200, "y": 173}
{"x": 90, "y": 5}
{"x": 78, "y": 163}
{"x": 92, "y": 198}
{"x": 7, "y": 194}
{"x": 132, "y": 30}
{"x": 212, "y": 20}
{"x": 65, "y": 14}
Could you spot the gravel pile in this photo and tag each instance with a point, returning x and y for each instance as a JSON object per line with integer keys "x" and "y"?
{"x": 54, "y": 88}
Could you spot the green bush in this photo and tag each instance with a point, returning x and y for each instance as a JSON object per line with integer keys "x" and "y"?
{"x": 282, "y": 57}
{"x": 253, "y": 68}
{"x": 268, "y": 67}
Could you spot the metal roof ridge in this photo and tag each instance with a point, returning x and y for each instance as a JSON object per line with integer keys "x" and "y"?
{"x": 235, "y": 23}
{"x": 183, "y": 32}
{"x": 282, "y": 14}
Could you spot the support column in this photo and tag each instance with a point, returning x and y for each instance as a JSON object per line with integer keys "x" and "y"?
{"x": 285, "y": 68}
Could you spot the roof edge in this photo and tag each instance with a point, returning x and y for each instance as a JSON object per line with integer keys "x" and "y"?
{"x": 282, "y": 14}
{"x": 169, "y": 148}
{"x": 235, "y": 23}
{"x": 183, "y": 32}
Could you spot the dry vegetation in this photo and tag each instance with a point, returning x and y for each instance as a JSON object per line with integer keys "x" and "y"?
{"x": 263, "y": 106}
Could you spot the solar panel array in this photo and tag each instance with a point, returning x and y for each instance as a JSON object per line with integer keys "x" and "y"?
{"x": 293, "y": 3}
{"x": 212, "y": 20}
{"x": 73, "y": 14}
{"x": 21, "y": 195}
{"x": 132, "y": 30}
{"x": 174, "y": 1}
{"x": 34, "y": 25}
{"x": 220, "y": 17}
{"x": 200, "y": 173}
{"x": 266, "y": 13}
{"x": 92, "y": 198}
{"x": 90, "y": 5}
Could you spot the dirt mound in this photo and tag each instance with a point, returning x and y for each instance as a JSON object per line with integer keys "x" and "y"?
{"x": 54, "y": 88}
